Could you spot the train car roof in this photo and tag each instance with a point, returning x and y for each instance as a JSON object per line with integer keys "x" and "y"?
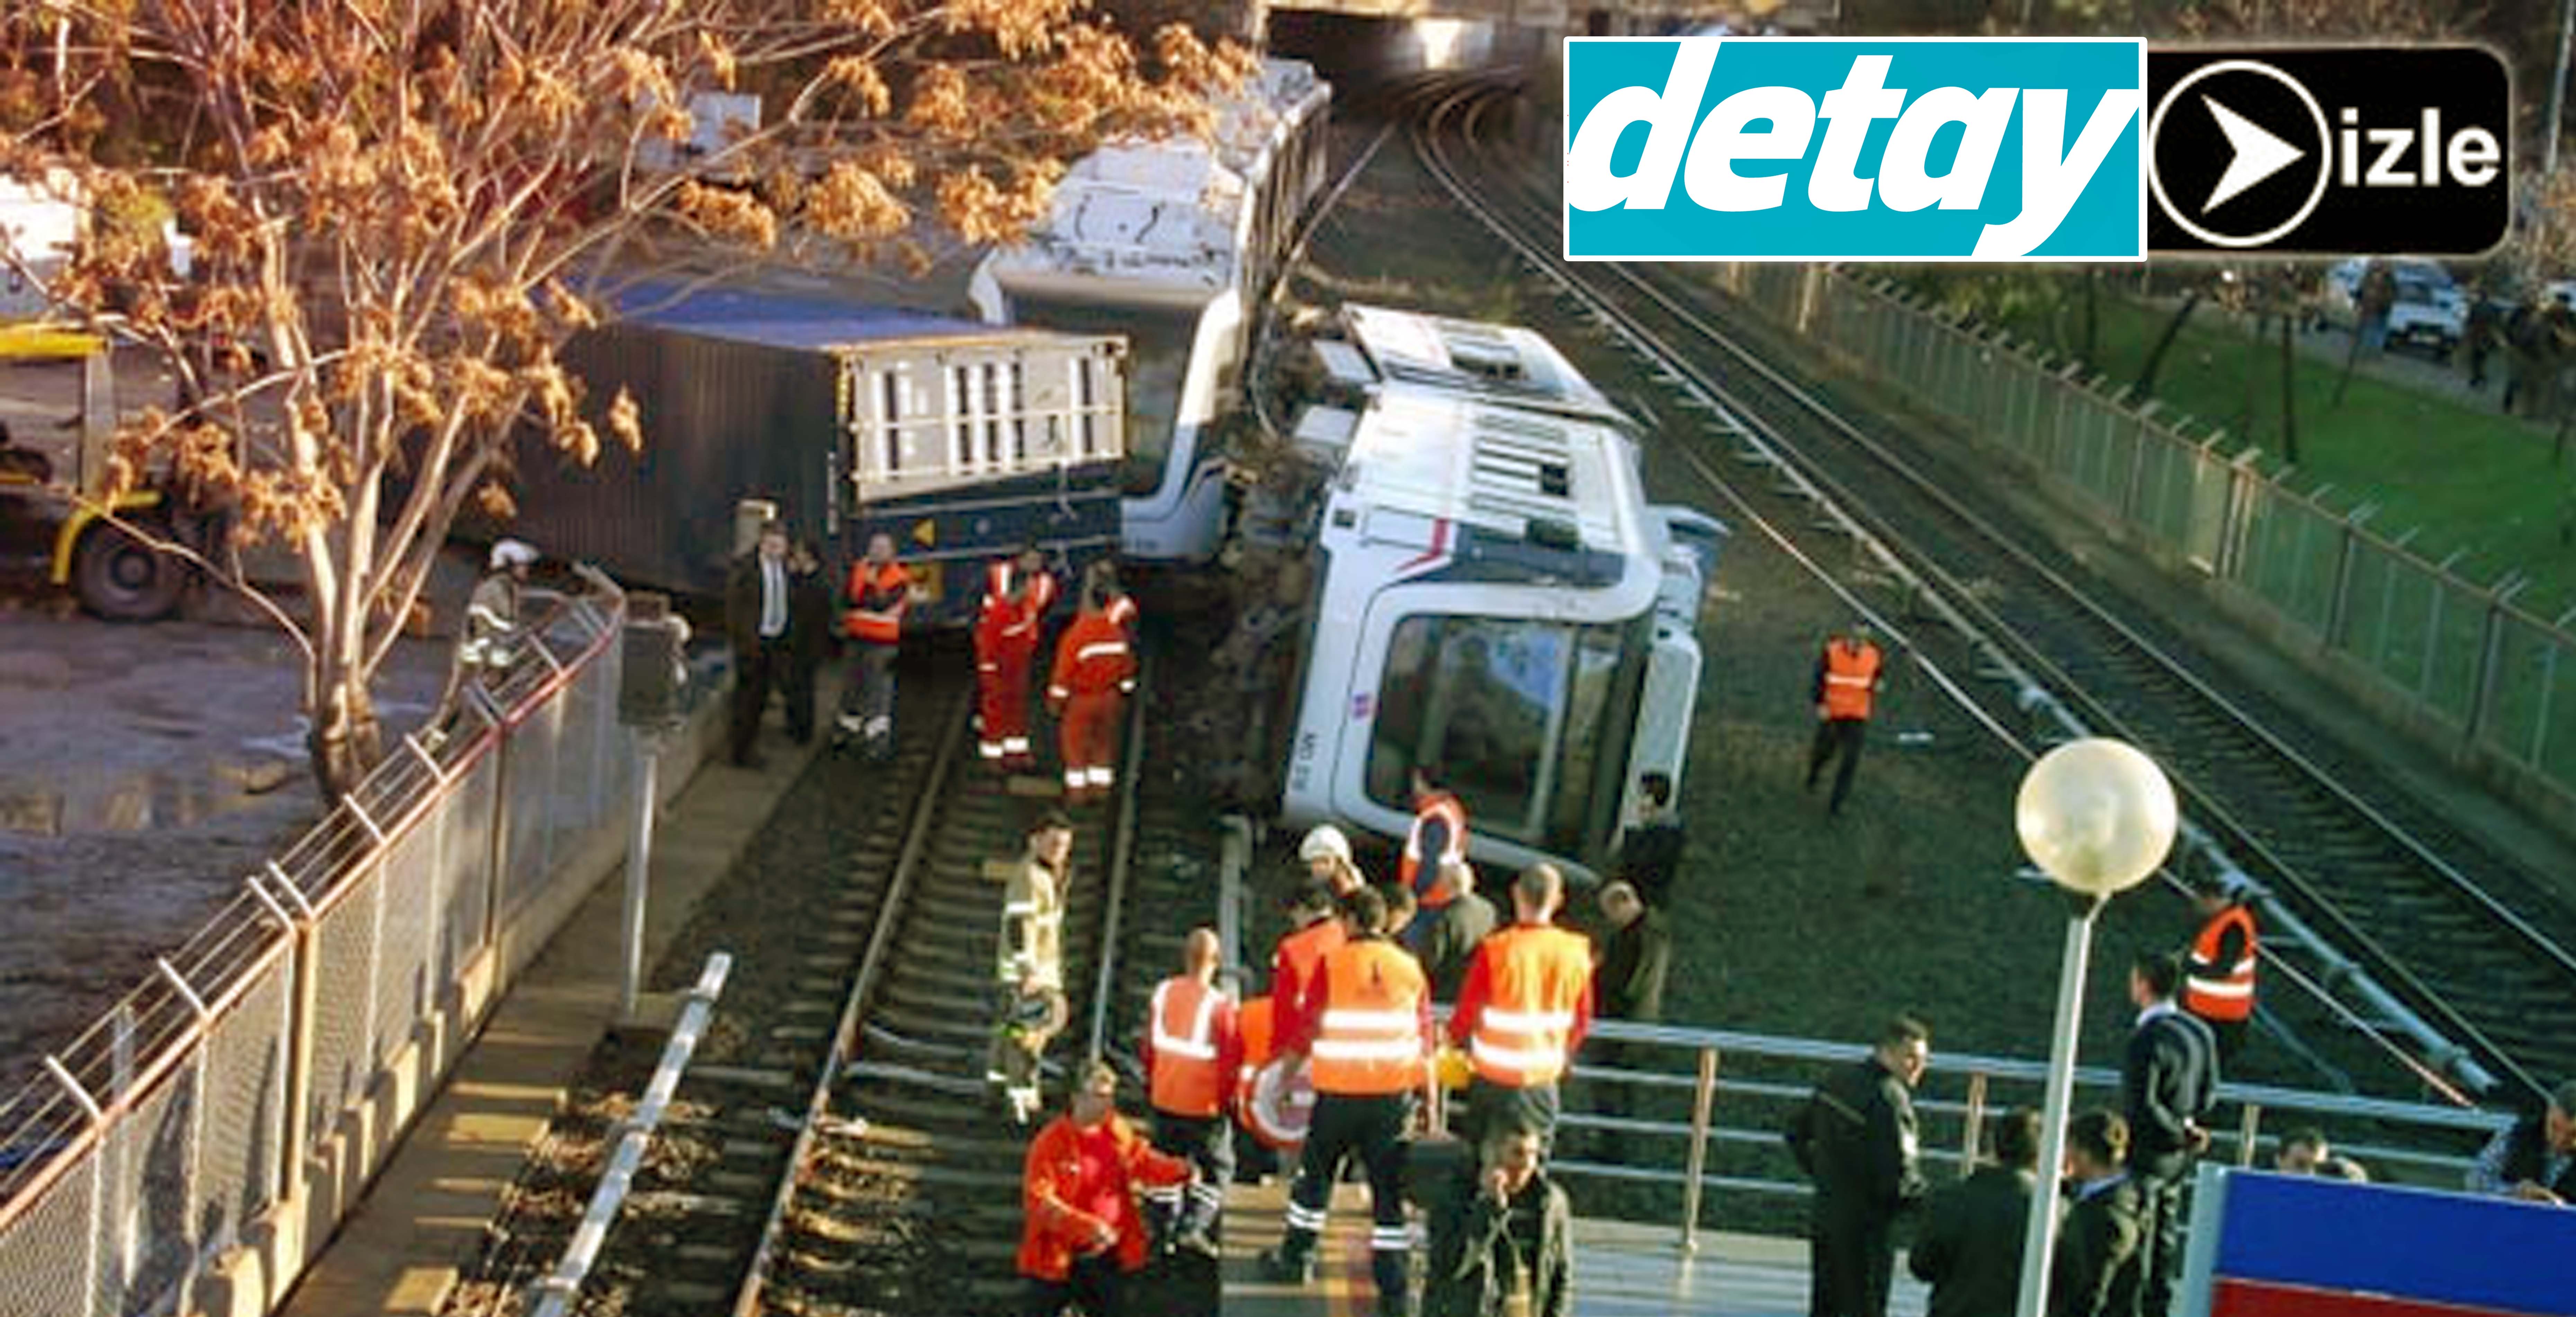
{"x": 1502, "y": 362}
{"x": 808, "y": 318}
{"x": 1162, "y": 210}
{"x": 1516, "y": 468}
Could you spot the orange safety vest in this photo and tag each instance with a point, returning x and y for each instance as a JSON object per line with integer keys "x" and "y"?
{"x": 1054, "y": 1230}
{"x": 1016, "y": 619}
{"x": 1122, "y": 610}
{"x": 1187, "y": 1051}
{"x": 2227, "y": 995}
{"x": 878, "y": 601}
{"x": 1849, "y": 679}
{"x": 1535, "y": 978}
{"x": 1093, "y": 658}
{"x": 1446, "y": 808}
{"x": 1369, "y": 1041}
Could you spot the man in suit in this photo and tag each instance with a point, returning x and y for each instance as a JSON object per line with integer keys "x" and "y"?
{"x": 809, "y": 635}
{"x": 2097, "y": 1269}
{"x": 759, "y": 611}
{"x": 1969, "y": 1248}
{"x": 1855, "y": 1137}
{"x": 2170, "y": 1080}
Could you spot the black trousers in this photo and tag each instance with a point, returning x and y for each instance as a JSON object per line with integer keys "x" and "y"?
{"x": 796, "y": 687}
{"x": 1853, "y": 1256}
{"x": 1372, "y": 1128}
{"x": 760, "y": 665}
{"x": 1836, "y": 738}
{"x": 1092, "y": 1287}
{"x": 1492, "y": 1106}
{"x": 1206, "y": 1142}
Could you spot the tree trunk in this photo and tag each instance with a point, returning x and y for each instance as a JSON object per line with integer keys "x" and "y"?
{"x": 2289, "y": 392}
{"x": 2156, "y": 355}
{"x": 345, "y": 740}
{"x": 2092, "y": 312}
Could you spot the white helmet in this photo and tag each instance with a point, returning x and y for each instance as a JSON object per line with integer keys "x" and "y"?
{"x": 1323, "y": 843}
{"x": 513, "y": 553}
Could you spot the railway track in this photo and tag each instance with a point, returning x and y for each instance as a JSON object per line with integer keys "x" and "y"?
{"x": 2457, "y": 930}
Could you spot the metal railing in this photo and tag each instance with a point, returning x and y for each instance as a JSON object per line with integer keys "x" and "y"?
{"x": 1710, "y": 1106}
{"x": 159, "y": 1138}
{"x": 2461, "y": 654}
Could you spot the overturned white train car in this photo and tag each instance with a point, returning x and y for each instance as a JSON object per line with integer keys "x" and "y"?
{"x": 1173, "y": 244}
{"x": 1492, "y": 593}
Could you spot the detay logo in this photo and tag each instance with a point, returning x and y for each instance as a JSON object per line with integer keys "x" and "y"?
{"x": 1795, "y": 148}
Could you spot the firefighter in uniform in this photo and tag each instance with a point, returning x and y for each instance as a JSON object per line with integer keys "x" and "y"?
{"x": 880, "y": 594}
{"x": 2218, "y": 975}
{"x": 1029, "y": 964}
{"x": 1018, "y": 591}
{"x": 1364, "y": 1029}
{"x": 487, "y": 645}
{"x": 1523, "y": 1010}
{"x": 1327, "y": 856}
{"x": 1095, "y": 670}
{"x": 1849, "y": 675}
{"x": 1438, "y": 838}
{"x": 1190, "y": 1052}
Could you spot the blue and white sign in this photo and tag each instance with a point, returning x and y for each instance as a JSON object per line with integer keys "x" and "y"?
{"x": 1826, "y": 149}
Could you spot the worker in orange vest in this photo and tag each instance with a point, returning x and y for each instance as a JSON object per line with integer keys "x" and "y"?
{"x": 1018, "y": 591}
{"x": 1438, "y": 837}
{"x": 880, "y": 594}
{"x": 1364, "y": 1036}
{"x": 1523, "y": 1010}
{"x": 1190, "y": 1051}
{"x": 1315, "y": 930}
{"x": 2218, "y": 974}
{"x": 1082, "y": 1235}
{"x": 1849, "y": 674}
{"x": 1095, "y": 670}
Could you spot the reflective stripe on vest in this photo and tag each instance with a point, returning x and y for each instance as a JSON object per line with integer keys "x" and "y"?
{"x": 1534, "y": 975}
{"x": 1446, "y": 808}
{"x": 2231, "y": 997}
{"x": 1849, "y": 678}
{"x": 1185, "y": 1079}
{"x": 1368, "y": 1040}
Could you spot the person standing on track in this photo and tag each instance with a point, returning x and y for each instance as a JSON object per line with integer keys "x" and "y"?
{"x": 1850, "y": 672}
{"x": 1029, "y": 964}
{"x": 809, "y": 635}
{"x": 1523, "y": 1011}
{"x": 1095, "y": 670}
{"x": 1365, "y": 1031}
{"x": 2218, "y": 974}
{"x": 760, "y": 616}
{"x": 1438, "y": 836}
{"x": 1190, "y": 1051}
{"x": 1855, "y": 1137}
{"x": 1018, "y": 592}
{"x": 1082, "y": 1235}
{"x": 880, "y": 594}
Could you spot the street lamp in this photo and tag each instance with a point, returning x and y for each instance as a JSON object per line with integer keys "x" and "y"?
{"x": 2097, "y": 816}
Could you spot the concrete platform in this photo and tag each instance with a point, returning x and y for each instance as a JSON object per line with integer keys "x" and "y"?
{"x": 1620, "y": 1269}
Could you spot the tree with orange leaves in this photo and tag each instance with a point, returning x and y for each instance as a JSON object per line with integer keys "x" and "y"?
{"x": 400, "y": 209}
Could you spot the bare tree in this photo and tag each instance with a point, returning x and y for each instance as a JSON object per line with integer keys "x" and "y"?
{"x": 402, "y": 208}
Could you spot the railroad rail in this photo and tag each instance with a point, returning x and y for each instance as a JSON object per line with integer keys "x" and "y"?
{"x": 2405, "y": 893}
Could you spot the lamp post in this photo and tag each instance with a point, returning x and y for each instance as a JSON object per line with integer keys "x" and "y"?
{"x": 2097, "y": 816}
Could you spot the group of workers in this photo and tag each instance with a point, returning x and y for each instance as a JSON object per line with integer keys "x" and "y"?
{"x": 1349, "y": 1018}
{"x": 778, "y": 619}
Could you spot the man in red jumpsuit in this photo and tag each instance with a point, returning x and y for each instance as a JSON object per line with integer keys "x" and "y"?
{"x": 1083, "y": 1234}
{"x": 1095, "y": 669}
{"x": 1018, "y": 591}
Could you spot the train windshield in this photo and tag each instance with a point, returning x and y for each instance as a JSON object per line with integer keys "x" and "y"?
{"x": 1158, "y": 348}
{"x": 1530, "y": 720}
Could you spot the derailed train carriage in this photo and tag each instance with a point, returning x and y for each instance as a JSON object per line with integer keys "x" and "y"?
{"x": 1489, "y": 590}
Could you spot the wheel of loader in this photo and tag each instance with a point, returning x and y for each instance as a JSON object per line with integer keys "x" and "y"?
{"x": 122, "y": 579}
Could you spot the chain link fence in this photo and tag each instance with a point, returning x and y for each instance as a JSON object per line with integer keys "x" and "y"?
{"x": 155, "y": 1140}
{"x": 2460, "y": 652}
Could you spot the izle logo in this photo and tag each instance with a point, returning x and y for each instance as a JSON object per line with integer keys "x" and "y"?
{"x": 1817, "y": 149}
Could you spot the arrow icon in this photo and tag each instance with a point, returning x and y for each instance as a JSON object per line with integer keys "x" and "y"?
{"x": 2258, "y": 154}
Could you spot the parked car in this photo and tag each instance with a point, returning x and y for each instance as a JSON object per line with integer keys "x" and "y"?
{"x": 2430, "y": 310}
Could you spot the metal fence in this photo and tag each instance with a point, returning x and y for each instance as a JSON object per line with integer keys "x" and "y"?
{"x": 154, "y": 1141}
{"x": 2460, "y": 652}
